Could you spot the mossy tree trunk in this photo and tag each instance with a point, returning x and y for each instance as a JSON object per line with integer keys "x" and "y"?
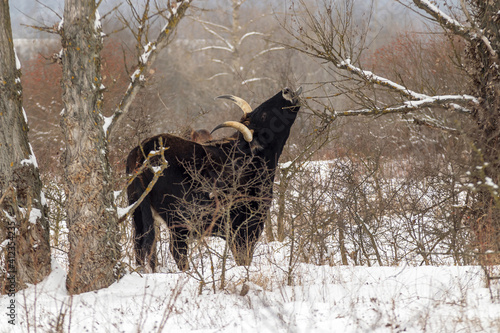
{"x": 92, "y": 219}
{"x": 24, "y": 231}
{"x": 484, "y": 67}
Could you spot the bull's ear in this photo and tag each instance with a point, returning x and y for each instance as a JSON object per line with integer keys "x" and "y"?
{"x": 290, "y": 95}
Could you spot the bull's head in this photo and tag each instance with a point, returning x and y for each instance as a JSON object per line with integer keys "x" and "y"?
{"x": 269, "y": 122}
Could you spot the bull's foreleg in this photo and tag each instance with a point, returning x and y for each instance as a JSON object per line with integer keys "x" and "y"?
{"x": 179, "y": 247}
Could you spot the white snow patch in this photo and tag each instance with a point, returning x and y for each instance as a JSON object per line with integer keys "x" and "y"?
{"x": 116, "y": 194}
{"x": 35, "y": 214}
{"x": 442, "y": 14}
{"x": 30, "y": 160}
{"x": 10, "y": 218}
{"x": 123, "y": 211}
{"x": 97, "y": 22}
{"x": 150, "y": 47}
{"x": 25, "y": 116}
{"x": 4, "y": 244}
{"x": 107, "y": 123}
{"x": 18, "y": 63}
{"x": 488, "y": 181}
{"x": 43, "y": 200}
{"x": 323, "y": 299}
{"x": 136, "y": 74}
{"x": 173, "y": 9}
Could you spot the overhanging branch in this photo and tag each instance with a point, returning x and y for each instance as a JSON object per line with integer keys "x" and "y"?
{"x": 124, "y": 213}
{"x": 469, "y": 33}
{"x": 417, "y": 100}
{"x": 145, "y": 62}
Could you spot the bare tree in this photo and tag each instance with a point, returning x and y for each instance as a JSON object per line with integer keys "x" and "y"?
{"x": 24, "y": 231}
{"x": 92, "y": 218}
{"x": 91, "y": 215}
{"x": 333, "y": 35}
{"x": 237, "y": 45}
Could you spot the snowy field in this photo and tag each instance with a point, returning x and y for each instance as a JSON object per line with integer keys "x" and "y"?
{"x": 320, "y": 299}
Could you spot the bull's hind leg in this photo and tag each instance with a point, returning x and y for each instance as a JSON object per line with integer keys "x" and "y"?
{"x": 140, "y": 254}
{"x": 144, "y": 240}
{"x": 179, "y": 247}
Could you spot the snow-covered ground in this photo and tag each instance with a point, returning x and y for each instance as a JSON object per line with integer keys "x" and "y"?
{"x": 320, "y": 299}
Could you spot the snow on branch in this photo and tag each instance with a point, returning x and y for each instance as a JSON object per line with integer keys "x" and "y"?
{"x": 441, "y": 17}
{"x": 372, "y": 78}
{"x": 124, "y": 213}
{"x": 248, "y": 34}
{"x": 469, "y": 33}
{"x": 145, "y": 61}
{"x": 230, "y": 47}
{"x": 215, "y": 47}
{"x": 417, "y": 100}
{"x": 405, "y": 107}
{"x": 277, "y": 48}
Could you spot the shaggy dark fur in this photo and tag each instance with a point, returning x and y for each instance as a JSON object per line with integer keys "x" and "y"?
{"x": 219, "y": 187}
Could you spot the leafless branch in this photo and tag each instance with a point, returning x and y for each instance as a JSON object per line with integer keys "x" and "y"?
{"x": 147, "y": 58}
{"x": 158, "y": 171}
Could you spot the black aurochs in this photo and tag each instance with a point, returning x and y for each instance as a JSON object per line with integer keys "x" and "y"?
{"x": 220, "y": 187}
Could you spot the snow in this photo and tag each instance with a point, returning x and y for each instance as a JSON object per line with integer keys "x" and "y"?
{"x": 30, "y": 160}
{"x": 107, "y": 123}
{"x": 97, "y": 22}
{"x": 417, "y": 101}
{"x": 441, "y": 14}
{"x": 490, "y": 183}
{"x": 25, "y": 116}
{"x": 43, "y": 200}
{"x": 319, "y": 298}
{"x": 173, "y": 8}
{"x": 35, "y": 214}
{"x": 150, "y": 47}
{"x": 322, "y": 299}
{"x": 136, "y": 74}
{"x": 123, "y": 211}
{"x": 252, "y": 80}
{"x": 4, "y": 244}
{"x": 18, "y": 63}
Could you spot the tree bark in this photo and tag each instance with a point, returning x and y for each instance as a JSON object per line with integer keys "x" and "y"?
{"x": 484, "y": 67}
{"x": 24, "y": 230}
{"x": 92, "y": 219}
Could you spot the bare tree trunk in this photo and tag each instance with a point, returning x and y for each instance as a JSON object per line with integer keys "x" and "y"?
{"x": 24, "y": 230}
{"x": 92, "y": 218}
{"x": 484, "y": 69}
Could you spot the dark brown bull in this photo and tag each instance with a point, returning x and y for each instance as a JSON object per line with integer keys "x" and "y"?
{"x": 220, "y": 187}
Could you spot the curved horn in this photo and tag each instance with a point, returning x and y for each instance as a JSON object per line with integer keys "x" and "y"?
{"x": 238, "y": 101}
{"x": 247, "y": 134}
